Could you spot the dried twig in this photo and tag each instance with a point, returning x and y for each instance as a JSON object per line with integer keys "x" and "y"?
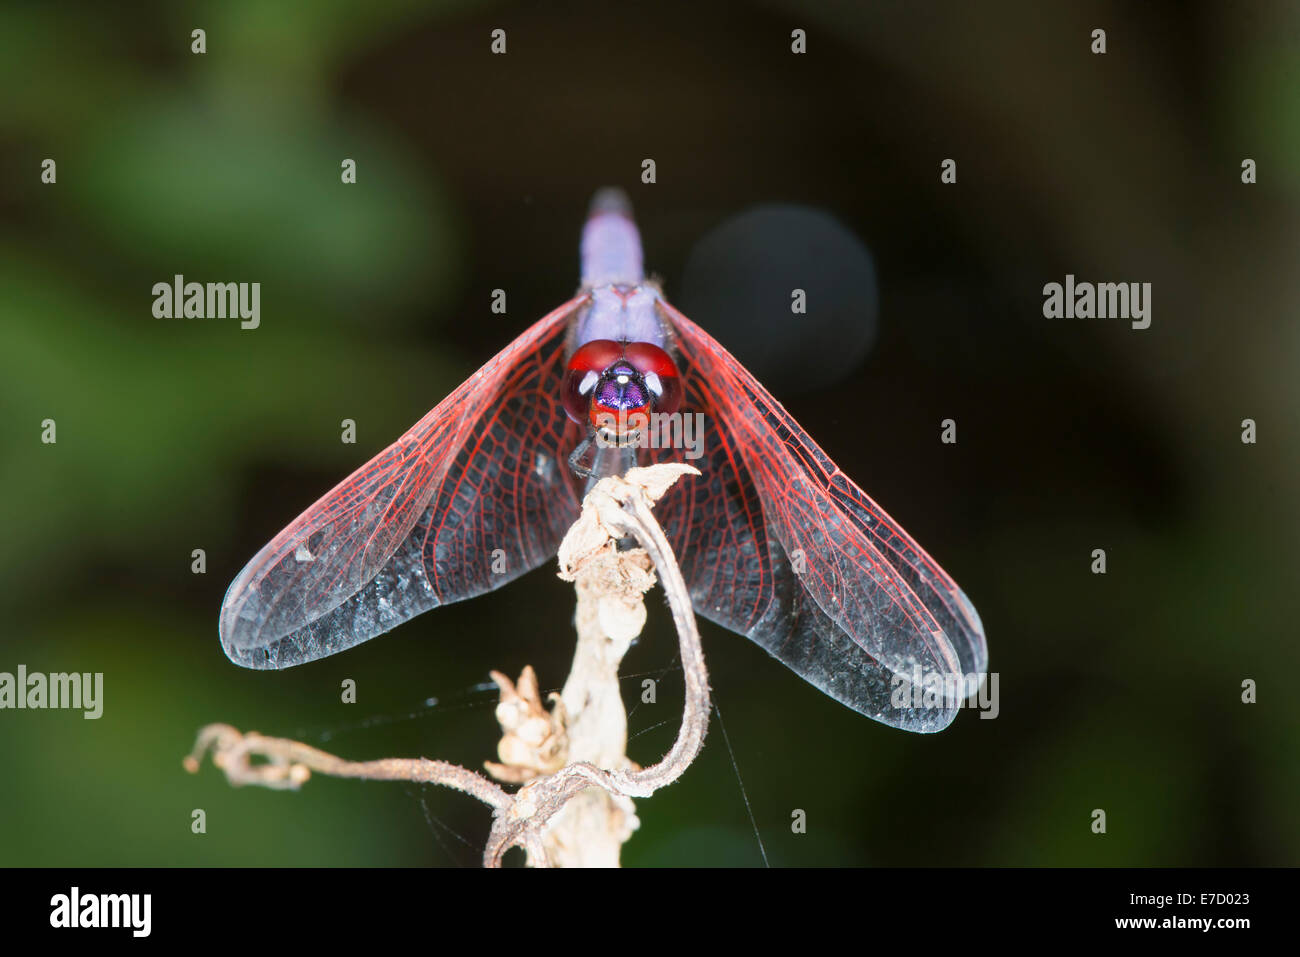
{"x": 615, "y": 508}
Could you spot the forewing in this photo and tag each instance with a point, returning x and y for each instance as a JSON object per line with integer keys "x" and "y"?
{"x": 778, "y": 544}
{"x": 473, "y": 495}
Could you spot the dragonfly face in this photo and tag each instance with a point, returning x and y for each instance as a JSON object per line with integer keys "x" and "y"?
{"x": 775, "y": 542}
{"x": 610, "y": 381}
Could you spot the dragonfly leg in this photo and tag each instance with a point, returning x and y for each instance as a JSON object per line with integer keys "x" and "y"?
{"x": 603, "y": 454}
{"x": 580, "y": 455}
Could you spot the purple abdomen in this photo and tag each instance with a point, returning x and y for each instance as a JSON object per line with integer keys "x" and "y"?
{"x": 622, "y": 305}
{"x": 611, "y": 245}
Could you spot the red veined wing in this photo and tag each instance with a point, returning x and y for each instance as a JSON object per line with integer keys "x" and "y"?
{"x": 868, "y": 603}
{"x": 418, "y": 525}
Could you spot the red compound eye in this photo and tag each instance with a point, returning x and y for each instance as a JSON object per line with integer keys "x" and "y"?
{"x": 660, "y": 374}
{"x": 585, "y": 368}
{"x": 596, "y": 356}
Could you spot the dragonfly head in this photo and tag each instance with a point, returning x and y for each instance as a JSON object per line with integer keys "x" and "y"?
{"x": 616, "y": 385}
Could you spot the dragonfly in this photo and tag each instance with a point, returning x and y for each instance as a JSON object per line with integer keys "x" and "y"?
{"x": 775, "y": 542}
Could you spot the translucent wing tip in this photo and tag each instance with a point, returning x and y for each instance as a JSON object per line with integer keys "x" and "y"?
{"x": 247, "y": 647}
{"x": 260, "y": 659}
{"x": 247, "y": 638}
{"x": 239, "y": 640}
{"x": 610, "y": 199}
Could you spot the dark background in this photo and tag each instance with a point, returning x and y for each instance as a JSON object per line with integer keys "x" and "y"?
{"x": 1119, "y": 692}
